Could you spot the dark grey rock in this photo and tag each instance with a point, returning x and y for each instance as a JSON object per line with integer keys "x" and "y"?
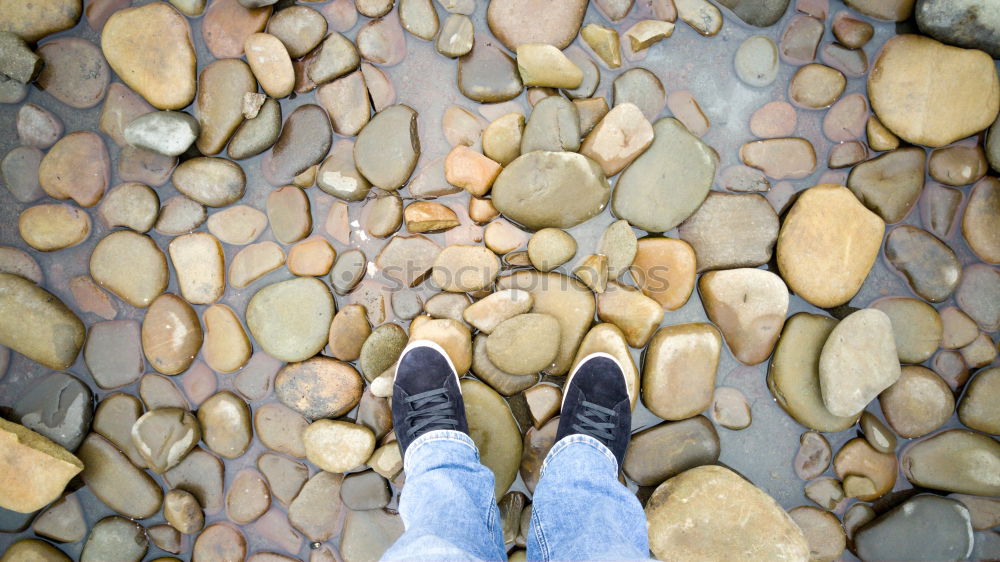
{"x": 924, "y": 527}
{"x": 758, "y": 13}
{"x": 59, "y": 407}
{"x": 972, "y": 24}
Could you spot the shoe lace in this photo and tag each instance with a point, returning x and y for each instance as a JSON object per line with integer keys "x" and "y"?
{"x": 595, "y": 420}
{"x": 430, "y": 410}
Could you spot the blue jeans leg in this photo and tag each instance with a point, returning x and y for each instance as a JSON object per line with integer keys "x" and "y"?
{"x": 447, "y": 504}
{"x": 580, "y": 511}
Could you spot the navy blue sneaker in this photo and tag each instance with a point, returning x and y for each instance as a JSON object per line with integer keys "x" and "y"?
{"x": 596, "y": 403}
{"x": 426, "y": 395}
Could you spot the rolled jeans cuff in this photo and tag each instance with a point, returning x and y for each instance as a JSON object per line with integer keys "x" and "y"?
{"x": 587, "y": 440}
{"x": 438, "y": 435}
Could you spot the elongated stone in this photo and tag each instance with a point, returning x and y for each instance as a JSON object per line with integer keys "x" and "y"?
{"x": 37, "y": 324}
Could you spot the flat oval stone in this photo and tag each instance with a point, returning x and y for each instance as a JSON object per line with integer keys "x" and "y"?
{"x": 815, "y": 86}
{"x": 731, "y": 230}
{"x": 33, "y": 22}
{"x": 381, "y": 41}
{"x": 976, "y": 407}
{"x": 50, "y": 227}
{"x": 288, "y": 211}
{"x": 524, "y": 344}
{"x": 158, "y": 391}
{"x": 290, "y": 320}
{"x": 514, "y": 22}
{"x": 978, "y": 295}
{"x": 220, "y": 541}
{"x": 346, "y": 101}
{"x": 182, "y": 512}
{"x": 956, "y": 460}
{"x": 338, "y": 175}
{"x": 132, "y": 205}
{"x": 347, "y": 271}
{"x": 75, "y": 71}
{"x": 19, "y": 169}
{"x": 239, "y": 225}
{"x": 822, "y": 259}
{"x": 979, "y": 225}
{"x": 59, "y": 407}
{"x": 491, "y": 421}
{"x": 315, "y": 512}
{"x": 168, "y": 133}
{"x": 711, "y": 512}
{"x": 487, "y": 74}
{"x": 813, "y": 456}
{"x": 214, "y": 182}
{"x": 113, "y": 353}
{"x": 200, "y": 265}
{"x": 171, "y": 334}
{"x": 565, "y": 298}
{"x": 319, "y": 387}
{"x": 131, "y": 266}
{"x": 150, "y": 48}
{"x": 227, "y": 24}
{"x": 664, "y": 269}
{"x": 642, "y": 88}
{"x": 930, "y": 267}
{"x": 271, "y": 64}
{"x": 456, "y": 37}
{"x": 858, "y": 362}
{"x": 924, "y": 526}
{"x": 62, "y": 521}
{"x": 221, "y": 87}
{"x": 679, "y": 370}
{"x": 793, "y": 374}
{"x": 784, "y": 158}
{"x": 180, "y": 215}
{"x": 383, "y": 215}
{"x": 943, "y": 109}
{"x": 116, "y": 481}
{"x": 957, "y": 165}
{"x": 749, "y": 306}
{"x": 846, "y": 119}
{"x": 248, "y": 497}
{"x": 891, "y": 183}
{"x": 800, "y": 39}
{"x": 916, "y": 327}
{"x": 113, "y": 420}
{"x": 77, "y": 167}
{"x": 774, "y": 119}
{"x": 225, "y": 424}
{"x": 115, "y": 537}
{"x": 463, "y": 268}
{"x": 693, "y": 442}
{"x": 756, "y": 61}
{"x": 918, "y": 403}
{"x": 549, "y": 248}
{"x": 419, "y": 18}
{"x": 300, "y": 28}
{"x": 52, "y": 337}
{"x": 253, "y": 262}
{"x": 338, "y": 446}
{"x": 144, "y": 166}
{"x": 534, "y": 189}
{"x": 280, "y": 429}
{"x": 823, "y": 531}
{"x": 258, "y": 134}
{"x": 677, "y": 167}
{"x": 304, "y": 141}
{"x": 387, "y": 149}
{"x": 368, "y": 534}
{"x": 364, "y": 491}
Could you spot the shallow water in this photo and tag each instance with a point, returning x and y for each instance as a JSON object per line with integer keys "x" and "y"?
{"x": 426, "y": 81}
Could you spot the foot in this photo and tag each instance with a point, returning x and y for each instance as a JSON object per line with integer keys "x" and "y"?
{"x": 426, "y": 395}
{"x": 596, "y": 403}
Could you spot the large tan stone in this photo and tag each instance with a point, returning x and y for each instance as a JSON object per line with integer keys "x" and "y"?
{"x": 36, "y": 324}
{"x": 711, "y": 513}
{"x": 33, "y": 470}
{"x": 149, "y": 47}
{"x": 932, "y": 94}
{"x": 33, "y": 20}
{"x": 827, "y": 245}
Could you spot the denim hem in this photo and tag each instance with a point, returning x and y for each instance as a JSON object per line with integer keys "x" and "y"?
{"x": 439, "y": 435}
{"x": 565, "y": 442}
